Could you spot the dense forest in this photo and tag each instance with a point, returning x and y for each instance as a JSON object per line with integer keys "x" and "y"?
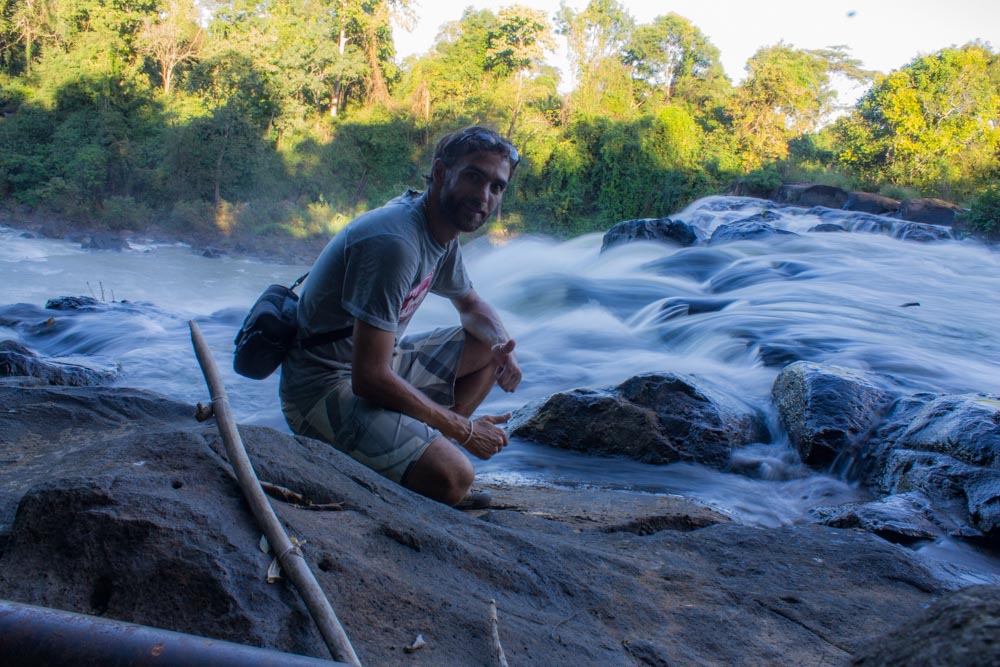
{"x": 288, "y": 117}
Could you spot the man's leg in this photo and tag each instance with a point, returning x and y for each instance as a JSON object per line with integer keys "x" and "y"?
{"x": 477, "y": 373}
{"x": 442, "y": 473}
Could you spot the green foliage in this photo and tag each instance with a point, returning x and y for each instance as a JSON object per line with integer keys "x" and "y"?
{"x": 931, "y": 124}
{"x": 288, "y": 118}
{"x": 983, "y": 216}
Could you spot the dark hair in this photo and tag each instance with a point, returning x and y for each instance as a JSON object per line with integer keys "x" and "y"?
{"x": 473, "y": 139}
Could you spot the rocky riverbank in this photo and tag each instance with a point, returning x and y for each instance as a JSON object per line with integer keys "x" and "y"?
{"x": 118, "y": 502}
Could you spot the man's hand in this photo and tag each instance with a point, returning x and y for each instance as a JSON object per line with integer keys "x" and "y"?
{"x": 487, "y": 438}
{"x": 508, "y": 370}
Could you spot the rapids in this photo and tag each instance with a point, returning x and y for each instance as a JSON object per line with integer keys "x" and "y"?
{"x": 924, "y": 313}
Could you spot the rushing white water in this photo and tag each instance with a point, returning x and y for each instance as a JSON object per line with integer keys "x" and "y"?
{"x": 925, "y": 314}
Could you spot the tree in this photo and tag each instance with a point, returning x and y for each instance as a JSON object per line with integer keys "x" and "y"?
{"x": 595, "y": 38}
{"x": 934, "y": 124}
{"x": 673, "y": 57}
{"x": 788, "y": 92}
{"x": 172, "y": 39}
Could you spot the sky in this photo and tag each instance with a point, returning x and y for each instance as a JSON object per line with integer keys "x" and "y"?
{"x": 884, "y": 34}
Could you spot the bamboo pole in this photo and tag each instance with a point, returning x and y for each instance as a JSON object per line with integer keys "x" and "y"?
{"x": 289, "y": 556}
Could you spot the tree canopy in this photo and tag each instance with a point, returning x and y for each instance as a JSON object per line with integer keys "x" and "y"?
{"x": 290, "y": 116}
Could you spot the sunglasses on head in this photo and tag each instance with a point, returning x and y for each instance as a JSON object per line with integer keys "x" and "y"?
{"x": 483, "y": 137}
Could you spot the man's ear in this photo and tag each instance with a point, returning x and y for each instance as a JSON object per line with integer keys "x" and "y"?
{"x": 438, "y": 171}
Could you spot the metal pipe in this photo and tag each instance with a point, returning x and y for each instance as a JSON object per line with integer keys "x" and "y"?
{"x": 31, "y": 636}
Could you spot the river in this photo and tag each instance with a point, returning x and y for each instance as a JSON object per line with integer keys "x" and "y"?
{"x": 925, "y": 314}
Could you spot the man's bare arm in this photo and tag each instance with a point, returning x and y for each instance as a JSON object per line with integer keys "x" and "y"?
{"x": 483, "y": 322}
{"x": 373, "y": 379}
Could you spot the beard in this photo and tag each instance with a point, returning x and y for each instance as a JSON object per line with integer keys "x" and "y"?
{"x": 461, "y": 216}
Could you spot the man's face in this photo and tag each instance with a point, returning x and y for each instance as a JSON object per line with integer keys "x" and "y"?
{"x": 471, "y": 190}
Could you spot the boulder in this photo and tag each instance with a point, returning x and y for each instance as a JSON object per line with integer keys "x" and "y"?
{"x": 982, "y": 493}
{"x": 903, "y": 519}
{"x": 963, "y": 426}
{"x": 947, "y": 446}
{"x": 754, "y": 228}
{"x": 826, "y": 409}
{"x": 812, "y": 194}
{"x": 929, "y": 210}
{"x": 869, "y": 202}
{"x": 16, "y": 360}
{"x": 650, "y": 229}
{"x": 105, "y": 241}
{"x": 923, "y": 232}
{"x": 961, "y": 628}
{"x": 827, "y": 227}
{"x": 117, "y": 502}
{"x": 654, "y": 418}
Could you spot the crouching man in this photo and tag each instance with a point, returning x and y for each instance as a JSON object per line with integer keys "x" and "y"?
{"x": 400, "y": 405}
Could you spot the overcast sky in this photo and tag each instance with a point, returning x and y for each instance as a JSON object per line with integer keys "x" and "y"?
{"x": 883, "y": 34}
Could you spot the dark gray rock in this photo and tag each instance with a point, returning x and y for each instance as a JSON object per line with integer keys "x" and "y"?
{"x": 903, "y": 519}
{"x": 116, "y": 502}
{"x": 650, "y": 229}
{"x": 922, "y": 232}
{"x": 869, "y": 202}
{"x": 16, "y": 360}
{"x": 929, "y": 210}
{"x": 827, "y": 227}
{"x": 961, "y": 628}
{"x": 812, "y": 194}
{"x": 754, "y": 228}
{"x": 105, "y": 241}
{"x": 963, "y": 426}
{"x": 937, "y": 475}
{"x": 826, "y": 409}
{"x": 946, "y": 446}
{"x": 73, "y": 303}
{"x": 982, "y": 492}
{"x": 654, "y": 418}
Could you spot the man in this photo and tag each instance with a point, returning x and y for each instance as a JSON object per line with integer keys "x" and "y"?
{"x": 400, "y": 405}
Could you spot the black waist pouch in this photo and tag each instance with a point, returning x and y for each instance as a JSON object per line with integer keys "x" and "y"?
{"x": 268, "y": 332}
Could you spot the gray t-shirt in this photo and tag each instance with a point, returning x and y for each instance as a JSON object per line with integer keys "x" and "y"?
{"x": 378, "y": 269}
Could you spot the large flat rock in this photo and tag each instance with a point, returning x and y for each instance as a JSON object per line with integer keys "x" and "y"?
{"x": 117, "y": 502}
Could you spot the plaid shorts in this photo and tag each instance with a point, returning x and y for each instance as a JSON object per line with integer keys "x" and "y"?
{"x": 388, "y": 442}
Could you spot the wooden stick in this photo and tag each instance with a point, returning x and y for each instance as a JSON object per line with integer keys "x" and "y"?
{"x": 495, "y": 631}
{"x": 289, "y": 556}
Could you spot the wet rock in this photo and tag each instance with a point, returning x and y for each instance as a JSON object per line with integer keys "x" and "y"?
{"x": 650, "y": 229}
{"x": 105, "y": 241}
{"x": 115, "y": 501}
{"x": 869, "y": 202}
{"x": 903, "y": 519}
{"x": 929, "y": 210}
{"x": 654, "y": 418}
{"x": 937, "y": 475}
{"x": 812, "y": 194}
{"x": 918, "y": 231}
{"x": 826, "y": 409}
{"x": 73, "y": 303}
{"x": 16, "y": 360}
{"x": 961, "y": 628}
{"x": 753, "y": 271}
{"x": 982, "y": 492}
{"x": 946, "y": 446}
{"x": 213, "y": 253}
{"x": 696, "y": 264}
{"x": 827, "y": 227}
{"x": 963, "y": 426}
{"x": 754, "y": 228}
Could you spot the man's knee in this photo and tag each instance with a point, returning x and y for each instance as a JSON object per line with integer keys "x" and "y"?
{"x": 442, "y": 473}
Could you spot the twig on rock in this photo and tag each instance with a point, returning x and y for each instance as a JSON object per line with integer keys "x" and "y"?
{"x": 297, "y": 500}
{"x": 495, "y": 631}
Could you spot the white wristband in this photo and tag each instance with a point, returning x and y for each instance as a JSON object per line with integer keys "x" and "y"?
{"x": 472, "y": 432}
